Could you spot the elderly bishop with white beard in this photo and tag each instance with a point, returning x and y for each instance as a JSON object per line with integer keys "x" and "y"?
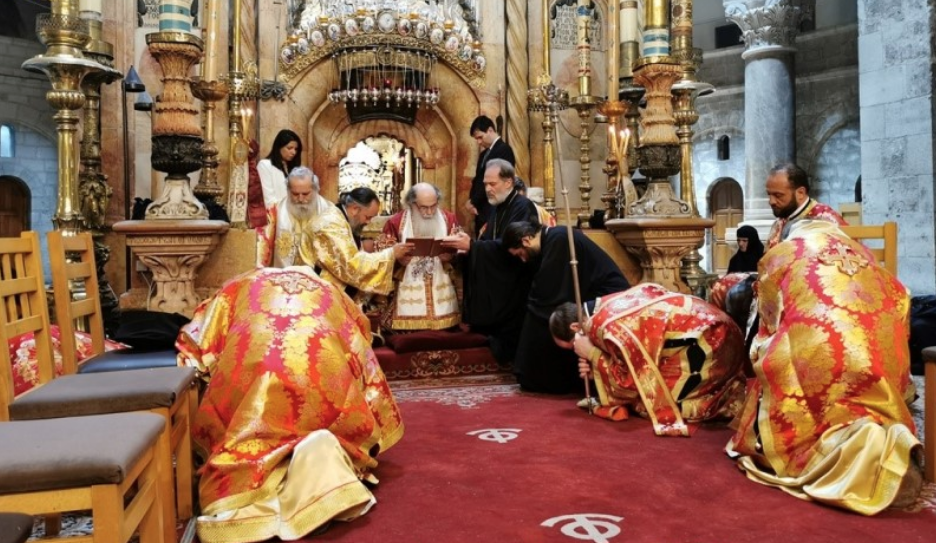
{"x": 425, "y": 297}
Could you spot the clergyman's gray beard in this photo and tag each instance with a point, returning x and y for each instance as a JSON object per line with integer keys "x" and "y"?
{"x": 301, "y": 212}
{"x": 424, "y": 228}
{"x": 498, "y": 199}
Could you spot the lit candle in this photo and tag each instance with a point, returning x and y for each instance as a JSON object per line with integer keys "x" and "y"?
{"x": 174, "y": 16}
{"x": 90, "y": 5}
{"x": 210, "y": 17}
{"x": 583, "y": 20}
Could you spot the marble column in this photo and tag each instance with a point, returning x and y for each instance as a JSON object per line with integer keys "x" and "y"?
{"x": 769, "y": 29}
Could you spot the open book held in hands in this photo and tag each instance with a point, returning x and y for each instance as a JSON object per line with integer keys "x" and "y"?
{"x": 428, "y": 247}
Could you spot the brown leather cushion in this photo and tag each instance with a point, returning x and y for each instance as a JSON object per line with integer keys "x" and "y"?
{"x": 15, "y": 527}
{"x": 74, "y": 452}
{"x": 100, "y": 393}
{"x": 128, "y": 359}
{"x": 432, "y": 340}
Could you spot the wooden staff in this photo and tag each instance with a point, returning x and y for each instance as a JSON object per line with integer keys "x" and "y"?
{"x": 573, "y": 262}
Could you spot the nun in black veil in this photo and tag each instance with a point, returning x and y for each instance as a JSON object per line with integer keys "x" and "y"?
{"x": 750, "y": 251}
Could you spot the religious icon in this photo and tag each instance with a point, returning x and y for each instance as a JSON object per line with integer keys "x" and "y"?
{"x": 422, "y": 30}
{"x": 436, "y": 36}
{"x": 318, "y": 39}
{"x": 302, "y": 45}
{"x": 479, "y": 63}
{"x": 404, "y": 27}
{"x": 465, "y": 52}
{"x": 288, "y": 55}
{"x": 451, "y": 44}
{"x": 386, "y": 21}
{"x": 351, "y": 27}
{"x": 367, "y": 25}
{"x": 334, "y": 32}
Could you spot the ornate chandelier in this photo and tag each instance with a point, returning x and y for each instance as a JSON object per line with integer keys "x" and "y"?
{"x": 384, "y": 51}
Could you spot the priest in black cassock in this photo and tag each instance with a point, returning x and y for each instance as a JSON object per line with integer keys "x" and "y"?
{"x": 496, "y": 284}
{"x": 540, "y": 364}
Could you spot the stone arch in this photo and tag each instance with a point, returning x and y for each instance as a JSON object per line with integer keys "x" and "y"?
{"x": 15, "y": 206}
{"x": 826, "y": 124}
{"x": 439, "y": 135}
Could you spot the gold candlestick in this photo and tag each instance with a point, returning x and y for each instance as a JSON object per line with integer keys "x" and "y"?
{"x": 584, "y": 105}
{"x": 64, "y": 34}
{"x": 209, "y": 92}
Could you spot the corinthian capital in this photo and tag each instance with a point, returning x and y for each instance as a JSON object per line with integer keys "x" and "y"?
{"x": 767, "y": 22}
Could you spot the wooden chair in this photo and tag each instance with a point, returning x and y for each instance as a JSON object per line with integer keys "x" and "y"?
{"x": 164, "y": 391}
{"x": 15, "y": 527}
{"x": 886, "y": 255}
{"x": 72, "y": 261}
{"x": 110, "y": 464}
{"x": 69, "y": 310}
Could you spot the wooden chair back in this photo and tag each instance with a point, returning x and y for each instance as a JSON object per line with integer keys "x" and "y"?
{"x": 71, "y": 259}
{"x": 887, "y": 254}
{"x": 23, "y": 309}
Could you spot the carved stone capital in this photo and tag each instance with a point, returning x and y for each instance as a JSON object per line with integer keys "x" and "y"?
{"x": 766, "y": 24}
{"x": 173, "y": 251}
{"x": 660, "y": 245}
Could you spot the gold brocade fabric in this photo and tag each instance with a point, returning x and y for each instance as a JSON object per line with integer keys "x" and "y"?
{"x": 825, "y": 417}
{"x": 814, "y": 211}
{"x": 286, "y": 354}
{"x": 671, "y": 357}
{"x": 331, "y": 247}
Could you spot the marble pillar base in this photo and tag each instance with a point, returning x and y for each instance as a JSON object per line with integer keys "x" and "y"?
{"x": 173, "y": 251}
{"x": 660, "y": 244}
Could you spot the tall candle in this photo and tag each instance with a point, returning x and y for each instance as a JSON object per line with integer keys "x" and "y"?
{"x": 656, "y": 34}
{"x": 612, "y": 44}
{"x": 628, "y": 21}
{"x": 90, "y": 5}
{"x": 583, "y": 25}
{"x": 210, "y": 18}
{"x": 174, "y": 16}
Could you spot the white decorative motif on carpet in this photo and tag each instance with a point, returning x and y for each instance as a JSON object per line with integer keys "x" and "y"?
{"x": 465, "y": 397}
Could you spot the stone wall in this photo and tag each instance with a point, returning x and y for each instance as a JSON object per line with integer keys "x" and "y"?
{"x": 24, "y": 108}
{"x": 895, "y": 41}
{"x": 827, "y": 131}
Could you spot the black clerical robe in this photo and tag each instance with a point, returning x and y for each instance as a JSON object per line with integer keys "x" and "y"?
{"x": 540, "y": 364}
{"x": 496, "y": 283}
{"x": 500, "y": 149}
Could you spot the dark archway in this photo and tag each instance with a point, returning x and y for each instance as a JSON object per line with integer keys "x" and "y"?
{"x": 15, "y": 206}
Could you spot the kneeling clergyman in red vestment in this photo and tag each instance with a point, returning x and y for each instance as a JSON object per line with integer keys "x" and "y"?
{"x": 296, "y": 407}
{"x": 668, "y": 356}
{"x": 826, "y": 417}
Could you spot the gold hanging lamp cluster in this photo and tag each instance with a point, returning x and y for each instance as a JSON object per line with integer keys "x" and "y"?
{"x": 385, "y": 51}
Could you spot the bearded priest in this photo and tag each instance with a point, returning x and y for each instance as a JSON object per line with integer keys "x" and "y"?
{"x": 426, "y": 297}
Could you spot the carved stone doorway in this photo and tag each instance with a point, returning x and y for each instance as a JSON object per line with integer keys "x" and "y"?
{"x": 726, "y": 205}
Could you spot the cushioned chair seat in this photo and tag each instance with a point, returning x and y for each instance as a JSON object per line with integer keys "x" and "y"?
{"x": 128, "y": 359}
{"x": 113, "y": 392}
{"x": 67, "y": 453}
{"x": 15, "y": 527}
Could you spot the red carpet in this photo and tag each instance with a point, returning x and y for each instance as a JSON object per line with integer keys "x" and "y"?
{"x": 442, "y": 484}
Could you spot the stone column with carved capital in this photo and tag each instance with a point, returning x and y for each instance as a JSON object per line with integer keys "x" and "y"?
{"x": 769, "y": 29}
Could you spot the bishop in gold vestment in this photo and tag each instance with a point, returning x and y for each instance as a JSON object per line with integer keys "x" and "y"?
{"x": 296, "y": 407}
{"x": 306, "y": 229}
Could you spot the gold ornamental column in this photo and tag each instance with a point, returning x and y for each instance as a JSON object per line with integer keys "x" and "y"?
{"x": 659, "y": 228}
{"x": 685, "y": 92}
{"x": 64, "y": 34}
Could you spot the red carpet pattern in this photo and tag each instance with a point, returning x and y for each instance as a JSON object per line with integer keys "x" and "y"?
{"x": 492, "y": 464}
